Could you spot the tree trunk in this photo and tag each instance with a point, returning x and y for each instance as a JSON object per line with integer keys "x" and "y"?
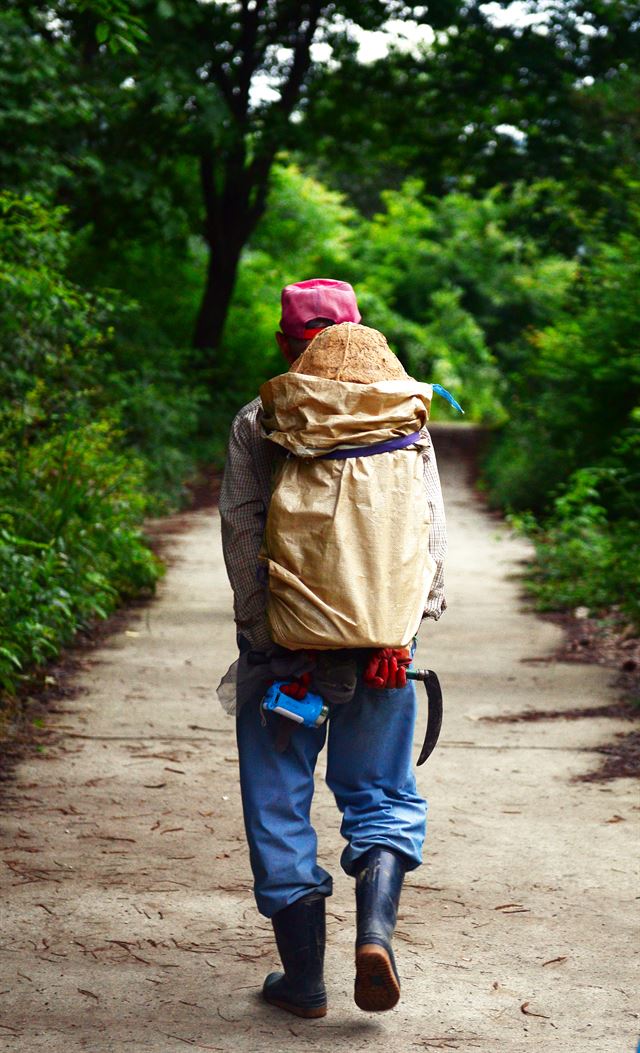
{"x": 221, "y": 277}
{"x": 235, "y": 188}
{"x": 230, "y": 219}
{"x": 231, "y": 216}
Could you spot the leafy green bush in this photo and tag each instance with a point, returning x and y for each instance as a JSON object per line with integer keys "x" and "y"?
{"x": 467, "y": 285}
{"x": 70, "y": 543}
{"x": 446, "y": 282}
{"x": 570, "y": 453}
{"x": 583, "y": 557}
{"x": 88, "y": 428}
{"x": 70, "y": 354}
{"x": 573, "y": 402}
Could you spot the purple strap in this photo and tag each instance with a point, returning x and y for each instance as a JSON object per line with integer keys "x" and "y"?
{"x": 369, "y": 451}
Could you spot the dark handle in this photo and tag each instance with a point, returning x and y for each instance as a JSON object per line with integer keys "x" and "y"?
{"x": 434, "y": 718}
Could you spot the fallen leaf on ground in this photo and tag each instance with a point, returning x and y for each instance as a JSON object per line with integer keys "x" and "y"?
{"x": 524, "y": 1008}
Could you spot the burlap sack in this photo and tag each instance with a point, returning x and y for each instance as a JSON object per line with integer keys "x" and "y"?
{"x": 346, "y": 541}
{"x": 350, "y": 352}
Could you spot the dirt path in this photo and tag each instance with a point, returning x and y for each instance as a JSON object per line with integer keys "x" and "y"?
{"x": 127, "y": 914}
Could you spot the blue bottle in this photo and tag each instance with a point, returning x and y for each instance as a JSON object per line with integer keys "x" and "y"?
{"x": 312, "y": 711}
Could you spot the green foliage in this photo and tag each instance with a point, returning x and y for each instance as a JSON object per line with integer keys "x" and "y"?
{"x": 467, "y": 283}
{"x": 307, "y": 230}
{"x": 89, "y": 425}
{"x": 52, "y": 333}
{"x": 492, "y": 101}
{"x": 70, "y": 543}
{"x": 118, "y": 27}
{"x": 573, "y": 402}
{"x": 497, "y": 248}
{"x": 585, "y": 558}
{"x": 446, "y": 281}
{"x": 68, "y": 355}
{"x": 571, "y": 449}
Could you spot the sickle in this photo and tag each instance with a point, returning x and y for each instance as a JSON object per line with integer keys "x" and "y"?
{"x": 434, "y": 718}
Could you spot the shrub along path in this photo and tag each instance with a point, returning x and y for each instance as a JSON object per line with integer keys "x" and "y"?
{"x": 128, "y": 919}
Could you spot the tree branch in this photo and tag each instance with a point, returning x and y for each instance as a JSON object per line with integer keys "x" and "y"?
{"x": 301, "y": 61}
{"x": 251, "y": 55}
{"x": 217, "y": 75}
{"x": 208, "y": 183}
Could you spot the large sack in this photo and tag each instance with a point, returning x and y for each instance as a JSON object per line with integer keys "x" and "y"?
{"x": 346, "y": 541}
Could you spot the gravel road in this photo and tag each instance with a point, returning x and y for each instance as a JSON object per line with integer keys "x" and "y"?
{"x": 127, "y": 914}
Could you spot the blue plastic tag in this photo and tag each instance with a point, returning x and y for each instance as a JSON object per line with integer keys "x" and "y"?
{"x": 439, "y": 390}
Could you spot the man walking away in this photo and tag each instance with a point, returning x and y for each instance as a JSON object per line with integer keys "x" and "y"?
{"x": 369, "y": 739}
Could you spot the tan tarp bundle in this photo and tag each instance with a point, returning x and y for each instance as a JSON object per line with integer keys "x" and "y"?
{"x": 346, "y": 540}
{"x": 350, "y": 352}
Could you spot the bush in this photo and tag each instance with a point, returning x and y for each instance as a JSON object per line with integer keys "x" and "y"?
{"x": 573, "y": 404}
{"x": 569, "y": 456}
{"x": 86, "y": 428}
{"x": 465, "y": 285}
{"x": 583, "y": 558}
{"x": 70, "y": 544}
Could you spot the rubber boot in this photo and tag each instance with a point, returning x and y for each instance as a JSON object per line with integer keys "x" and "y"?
{"x": 300, "y": 935}
{"x": 378, "y": 885}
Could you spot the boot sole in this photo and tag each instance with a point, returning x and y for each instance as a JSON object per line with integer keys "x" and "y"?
{"x": 376, "y": 988}
{"x": 307, "y": 1014}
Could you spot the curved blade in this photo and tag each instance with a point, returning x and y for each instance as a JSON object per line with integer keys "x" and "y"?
{"x": 434, "y": 718}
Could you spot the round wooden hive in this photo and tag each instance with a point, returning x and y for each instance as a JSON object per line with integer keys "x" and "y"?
{"x": 349, "y": 352}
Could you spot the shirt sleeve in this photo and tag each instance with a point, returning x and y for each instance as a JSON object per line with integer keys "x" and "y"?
{"x": 243, "y": 514}
{"x": 436, "y": 602}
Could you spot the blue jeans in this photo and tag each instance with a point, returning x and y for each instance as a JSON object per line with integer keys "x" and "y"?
{"x": 369, "y": 771}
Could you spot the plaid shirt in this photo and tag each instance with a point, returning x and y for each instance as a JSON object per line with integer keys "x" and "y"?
{"x": 244, "y": 501}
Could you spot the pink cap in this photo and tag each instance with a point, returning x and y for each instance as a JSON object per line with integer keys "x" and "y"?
{"x": 317, "y": 298}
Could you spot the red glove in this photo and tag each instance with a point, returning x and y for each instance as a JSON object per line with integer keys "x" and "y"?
{"x": 387, "y": 668}
{"x": 298, "y": 687}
